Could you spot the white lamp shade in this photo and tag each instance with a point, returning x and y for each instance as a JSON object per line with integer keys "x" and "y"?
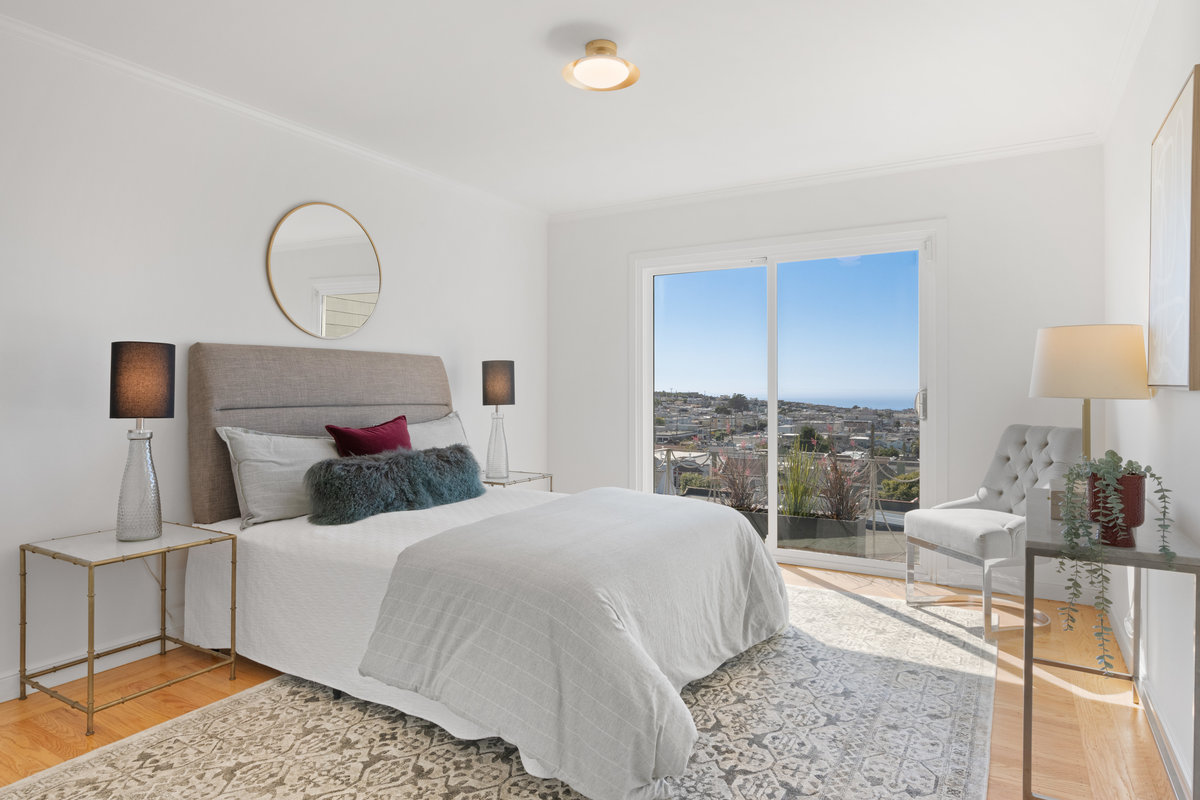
{"x": 1090, "y": 361}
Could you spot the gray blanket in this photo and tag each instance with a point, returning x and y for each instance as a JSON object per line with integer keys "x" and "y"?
{"x": 571, "y": 627}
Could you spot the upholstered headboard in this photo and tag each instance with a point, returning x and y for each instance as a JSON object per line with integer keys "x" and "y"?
{"x": 296, "y": 390}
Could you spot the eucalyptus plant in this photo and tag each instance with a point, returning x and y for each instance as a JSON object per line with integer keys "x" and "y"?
{"x": 1084, "y": 556}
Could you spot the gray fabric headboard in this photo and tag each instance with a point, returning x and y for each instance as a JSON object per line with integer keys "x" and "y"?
{"x": 295, "y": 390}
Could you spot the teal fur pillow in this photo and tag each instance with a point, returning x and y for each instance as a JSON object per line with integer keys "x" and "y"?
{"x": 345, "y": 490}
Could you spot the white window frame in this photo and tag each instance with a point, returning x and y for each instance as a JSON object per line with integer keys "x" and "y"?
{"x": 927, "y": 237}
{"x": 349, "y": 284}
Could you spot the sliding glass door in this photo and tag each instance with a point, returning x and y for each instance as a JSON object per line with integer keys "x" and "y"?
{"x": 710, "y": 387}
{"x": 848, "y": 438}
{"x": 783, "y": 386}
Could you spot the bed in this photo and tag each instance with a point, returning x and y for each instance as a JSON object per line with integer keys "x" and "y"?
{"x": 676, "y": 586}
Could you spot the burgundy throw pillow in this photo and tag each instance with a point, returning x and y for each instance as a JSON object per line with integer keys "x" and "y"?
{"x": 392, "y": 435}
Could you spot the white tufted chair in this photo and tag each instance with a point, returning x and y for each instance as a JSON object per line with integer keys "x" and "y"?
{"x": 988, "y": 529}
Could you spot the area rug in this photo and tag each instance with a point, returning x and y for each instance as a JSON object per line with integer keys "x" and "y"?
{"x": 861, "y": 698}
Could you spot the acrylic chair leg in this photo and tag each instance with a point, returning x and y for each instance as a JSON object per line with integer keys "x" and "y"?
{"x": 991, "y": 627}
{"x": 989, "y": 621}
{"x": 910, "y": 573}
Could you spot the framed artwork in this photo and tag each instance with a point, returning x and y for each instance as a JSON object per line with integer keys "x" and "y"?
{"x": 1174, "y": 329}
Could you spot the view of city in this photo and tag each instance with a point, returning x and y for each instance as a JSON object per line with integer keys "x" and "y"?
{"x": 715, "y": 448}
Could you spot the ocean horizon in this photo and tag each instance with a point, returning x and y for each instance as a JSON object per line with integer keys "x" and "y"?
{"x": 889, "y": 401}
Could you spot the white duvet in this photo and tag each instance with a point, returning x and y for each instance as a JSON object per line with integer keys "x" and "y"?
{"x": 573, "y": 626}
{"x": 308, "y": 595}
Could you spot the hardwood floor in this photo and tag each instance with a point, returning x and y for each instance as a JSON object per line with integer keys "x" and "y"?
{"x": 1091, "y": 741}
{"x": 40, "y": 732}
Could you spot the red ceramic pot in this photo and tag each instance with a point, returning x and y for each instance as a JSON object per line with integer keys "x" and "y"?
{"x": 1133, "y": 501}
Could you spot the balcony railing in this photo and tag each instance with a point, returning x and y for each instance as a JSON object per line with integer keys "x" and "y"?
{"x": 739, "y": 478}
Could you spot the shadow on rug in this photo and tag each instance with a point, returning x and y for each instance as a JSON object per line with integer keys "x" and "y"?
{"x": 861, "y": 698}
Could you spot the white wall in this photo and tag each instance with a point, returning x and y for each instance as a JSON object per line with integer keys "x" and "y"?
{"x": 1163, "y": 432}
{"x": 1025, "y": 251}
{"x": 130, "y": 210}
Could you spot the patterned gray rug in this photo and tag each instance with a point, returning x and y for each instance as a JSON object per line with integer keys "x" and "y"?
{"x": 862, "y": 698}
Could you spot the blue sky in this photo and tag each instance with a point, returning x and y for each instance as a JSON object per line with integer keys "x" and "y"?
{"x": 847, "y": 330}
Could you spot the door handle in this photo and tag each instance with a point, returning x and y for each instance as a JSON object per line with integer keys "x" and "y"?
{"x": 921, "y": 404}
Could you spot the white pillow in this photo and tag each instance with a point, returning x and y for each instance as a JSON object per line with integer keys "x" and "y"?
{"x": 438, "y": 433}
{"x": 268, "y": 471}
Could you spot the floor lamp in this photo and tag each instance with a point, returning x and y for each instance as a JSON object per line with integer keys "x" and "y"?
{"x": 1090, "y": 362}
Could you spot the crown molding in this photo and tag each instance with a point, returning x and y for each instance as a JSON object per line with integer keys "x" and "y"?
{"x": 54, "y": 41}
{"x": 837, "y": 176}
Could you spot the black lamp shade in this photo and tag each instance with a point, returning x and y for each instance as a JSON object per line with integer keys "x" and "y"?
{"x": 498, "y": 383}
{"x": 142, "y": 382}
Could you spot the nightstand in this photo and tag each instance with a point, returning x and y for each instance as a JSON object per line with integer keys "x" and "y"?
{"x": 520, "y": 477}
{"x": 92, "y": 550}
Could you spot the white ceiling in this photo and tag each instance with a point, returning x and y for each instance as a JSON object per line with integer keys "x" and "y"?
{"x": 731, "y": 94}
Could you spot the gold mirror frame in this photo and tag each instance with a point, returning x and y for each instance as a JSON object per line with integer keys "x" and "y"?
{"x": 276, "y": 290}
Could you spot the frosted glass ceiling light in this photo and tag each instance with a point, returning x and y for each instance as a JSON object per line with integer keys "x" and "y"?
{"x": 600, "y": 70}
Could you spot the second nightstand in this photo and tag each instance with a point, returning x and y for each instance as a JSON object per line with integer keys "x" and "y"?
{"x": 520, "y": 477}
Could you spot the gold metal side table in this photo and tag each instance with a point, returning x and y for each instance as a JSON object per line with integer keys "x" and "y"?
{"x": 515, "y": 477}
{"x": 92, "y": 550}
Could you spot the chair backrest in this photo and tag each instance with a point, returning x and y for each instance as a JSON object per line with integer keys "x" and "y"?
{"x": 1027, "y": 455}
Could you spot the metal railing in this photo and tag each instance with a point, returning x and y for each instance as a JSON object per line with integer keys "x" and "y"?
{"x": 868, "y": 474}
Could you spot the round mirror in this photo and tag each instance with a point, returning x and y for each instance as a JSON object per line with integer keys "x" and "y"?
{"x": 323, "y": 270}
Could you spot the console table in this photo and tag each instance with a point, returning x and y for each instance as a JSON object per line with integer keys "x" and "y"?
{"x": 1044, "y": 540}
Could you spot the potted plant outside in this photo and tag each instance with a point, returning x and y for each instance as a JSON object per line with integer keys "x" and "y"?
{"x": 799, "y": 481}
{"x": 820, "y": 501}
{"x": 739, "y": 478}
{"x": 697, "y": 484}
{"x": 1104, "y": 515}
{"x": 843, "y": 496}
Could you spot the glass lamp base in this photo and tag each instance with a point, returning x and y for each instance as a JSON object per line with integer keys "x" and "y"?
{"x": 139, "y": 511}
{"x": 497, "y": 455}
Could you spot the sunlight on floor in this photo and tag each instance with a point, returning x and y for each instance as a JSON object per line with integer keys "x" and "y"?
{"x": 1076, "y": 715}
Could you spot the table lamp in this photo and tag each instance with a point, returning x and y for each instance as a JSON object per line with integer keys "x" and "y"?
{"x": 497, "y": 391}
{"x": 141, "y": 386}
{"x": 1090, "y": 362}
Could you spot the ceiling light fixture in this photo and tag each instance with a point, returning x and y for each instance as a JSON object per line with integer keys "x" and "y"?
{"x": 600, "y": 70}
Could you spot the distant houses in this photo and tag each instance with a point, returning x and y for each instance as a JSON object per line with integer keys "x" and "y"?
{"x": 692, "y": 419}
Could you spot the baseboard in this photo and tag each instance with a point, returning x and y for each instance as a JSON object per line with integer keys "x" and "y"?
{"x": 10, "y": 684}
{"x": 807, "y": 558}
{"x": 1175, "y": 769}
